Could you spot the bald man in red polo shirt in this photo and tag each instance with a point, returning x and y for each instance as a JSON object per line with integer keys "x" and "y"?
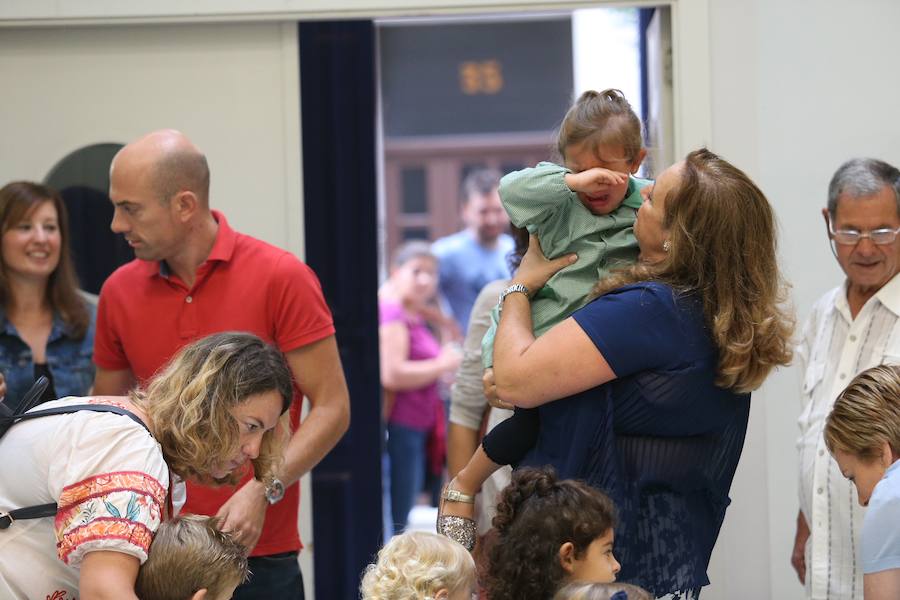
{"x": 194, "y": 276}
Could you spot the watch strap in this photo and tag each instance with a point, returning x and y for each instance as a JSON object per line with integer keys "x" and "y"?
{"x": 514, "y": 288}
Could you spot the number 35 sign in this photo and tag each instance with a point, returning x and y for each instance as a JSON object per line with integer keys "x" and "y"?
{"x": 484, "y": 77}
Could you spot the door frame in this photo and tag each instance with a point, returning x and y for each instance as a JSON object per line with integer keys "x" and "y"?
{"x": 690, "y": 32}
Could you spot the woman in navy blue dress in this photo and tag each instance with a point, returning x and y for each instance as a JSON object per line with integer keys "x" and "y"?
{"x": 657, "y": 371}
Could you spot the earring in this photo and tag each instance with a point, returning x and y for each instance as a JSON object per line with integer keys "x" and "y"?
{"x": 666, "y": 245}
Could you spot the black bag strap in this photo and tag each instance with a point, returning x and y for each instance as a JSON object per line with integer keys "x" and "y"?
{"x": 31, "y": 399}
{"x": 62, "y": 410}
{"x": 29, "y": 512}
{"x": 48, "y": 510}
{"x": 33, "y": 396}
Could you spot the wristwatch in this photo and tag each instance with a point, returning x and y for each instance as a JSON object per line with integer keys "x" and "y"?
{"x": 274, "y": 491}
{"x": 516, "y": 287}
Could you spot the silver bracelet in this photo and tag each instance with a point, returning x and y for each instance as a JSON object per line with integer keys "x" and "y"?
{"x": 516, "y": 287}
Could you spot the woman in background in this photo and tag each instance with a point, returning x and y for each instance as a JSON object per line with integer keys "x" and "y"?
{"x": 412, "y": 362}
{"x": 47, "y": 325}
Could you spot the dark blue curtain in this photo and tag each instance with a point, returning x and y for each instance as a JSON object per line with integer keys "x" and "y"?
{"x": 337, "y": 94}
{"x": 644, "y": 17}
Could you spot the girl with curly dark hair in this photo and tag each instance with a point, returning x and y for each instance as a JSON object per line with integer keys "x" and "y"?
{"x": 549, "y": 532}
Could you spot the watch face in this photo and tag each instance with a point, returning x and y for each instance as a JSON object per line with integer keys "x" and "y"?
{"x": 274, "y": 491}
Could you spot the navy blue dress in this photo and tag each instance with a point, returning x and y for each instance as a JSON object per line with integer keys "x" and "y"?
{"x": 661, "y": 439}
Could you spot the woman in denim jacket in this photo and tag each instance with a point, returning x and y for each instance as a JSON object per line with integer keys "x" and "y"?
{"x": 47, "y": 325}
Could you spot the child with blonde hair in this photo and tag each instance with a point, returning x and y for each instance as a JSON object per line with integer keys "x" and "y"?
{"x": 192, "y": 559}
{"x": 602, "y": 591}
{"x": 418, "y": 565}
{"x": 862, "y": 432}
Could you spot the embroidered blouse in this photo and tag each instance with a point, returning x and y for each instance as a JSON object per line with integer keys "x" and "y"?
{"x": 109, "y": 479}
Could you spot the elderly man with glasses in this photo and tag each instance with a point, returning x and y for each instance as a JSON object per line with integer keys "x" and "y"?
{"x": 851, "y": 328}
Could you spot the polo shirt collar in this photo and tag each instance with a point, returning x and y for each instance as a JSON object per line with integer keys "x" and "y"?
{"x": 222, "y": 250}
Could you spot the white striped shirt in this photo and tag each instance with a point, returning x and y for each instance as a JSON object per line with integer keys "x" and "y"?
{"x": 834, "y": 349}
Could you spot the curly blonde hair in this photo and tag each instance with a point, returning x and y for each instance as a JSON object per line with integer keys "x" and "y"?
{"x": 866, "y": 414}
{"x": 722, "y": 247}
{"x": 416, "y": 565}
{"x": 189, "y": 401}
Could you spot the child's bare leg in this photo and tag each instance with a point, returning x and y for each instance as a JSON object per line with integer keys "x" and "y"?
{"x": 469, "y": 481}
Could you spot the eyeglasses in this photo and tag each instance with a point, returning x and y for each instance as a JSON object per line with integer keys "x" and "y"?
{"x": 851, "y": 237}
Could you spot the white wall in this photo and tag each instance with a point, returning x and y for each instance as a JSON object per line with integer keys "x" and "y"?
{"x": 232, "y": 88}
{"x": 797, "y": 88}
{"x": 786, "y": 90}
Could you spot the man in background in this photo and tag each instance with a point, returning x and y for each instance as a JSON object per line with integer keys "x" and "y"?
{"x": 850, "y": 329}
{"x": 475, "y": 256}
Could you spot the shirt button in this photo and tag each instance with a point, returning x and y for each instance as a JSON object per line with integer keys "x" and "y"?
{"x": 821, "y": 453}
{"x": 843, "y": 376}
{"x": 852, "y": 338}
{"x": 819, "y": 491}
{"x": 190, "y": 299}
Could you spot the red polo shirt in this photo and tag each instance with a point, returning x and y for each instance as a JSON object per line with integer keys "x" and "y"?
{"x": 145, "y": 315}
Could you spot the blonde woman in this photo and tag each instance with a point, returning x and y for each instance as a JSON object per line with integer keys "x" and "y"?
{"x": 419, "y": 565}
{"x": 213, "y": 409}
{"x": 863, "y": 434}
{"x": 656, "y": 372}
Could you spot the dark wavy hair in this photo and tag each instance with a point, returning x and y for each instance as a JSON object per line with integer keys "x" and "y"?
{"x": 537, "y": 513}
{"x": 19, "y": 199}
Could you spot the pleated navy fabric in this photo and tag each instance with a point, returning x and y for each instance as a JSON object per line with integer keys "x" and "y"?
{"x": 662, "y": 440}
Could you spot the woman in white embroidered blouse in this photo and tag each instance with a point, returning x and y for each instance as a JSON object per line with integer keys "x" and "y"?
{"x": 216, "y": 406}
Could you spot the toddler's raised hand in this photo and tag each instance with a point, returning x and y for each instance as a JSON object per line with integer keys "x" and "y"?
{"x": 594, "y": 181}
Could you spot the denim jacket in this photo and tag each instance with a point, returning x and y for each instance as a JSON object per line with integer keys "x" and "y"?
{"x": 70, "y": 360}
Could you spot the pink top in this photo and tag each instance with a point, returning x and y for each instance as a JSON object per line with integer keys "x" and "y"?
{"x": 417, "y": 408}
